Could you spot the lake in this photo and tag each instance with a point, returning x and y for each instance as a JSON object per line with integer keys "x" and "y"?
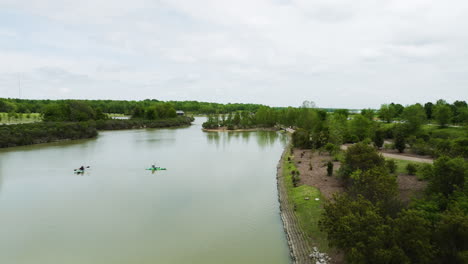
{"x": 216, "y": 202}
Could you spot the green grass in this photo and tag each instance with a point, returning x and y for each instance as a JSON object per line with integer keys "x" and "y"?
{"x": 19, "y": 118}
{"x": 308, "y": 212}
{"x": 401, "y": 165}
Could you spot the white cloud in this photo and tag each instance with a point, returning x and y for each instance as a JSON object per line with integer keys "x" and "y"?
{"x": 336, "y": 52}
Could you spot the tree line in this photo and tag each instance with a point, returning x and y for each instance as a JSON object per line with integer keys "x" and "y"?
{"x": 9, "y": 105}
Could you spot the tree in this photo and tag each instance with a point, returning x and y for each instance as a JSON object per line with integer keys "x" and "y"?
{"x": 361, "y": 156}
{"x": 379, "y": 138}
{"x": 428, "y": 107}
{"x": 331, "y": 148}
{"x": 308, "y": 104}
{"x": 338, "y": 128}
{"x": 375, "y": 184}
{"x": 329, "y": 168}
{"x": 387, "y": 113}
{"x": 398, "y": 109}
{"x": 448, "y": 175}
{"x": 415, "y": 116}
{"x": 442, "y": 114}
{"x": 301, "y": 139}
{"x": 361, "y": 127}
{"x": 368, "y": 113}
{"x": 413, "y": 235}
{"x": 452, "y": 237}
{"x": 400, "y": 138}
{"x": 357, "y": 227}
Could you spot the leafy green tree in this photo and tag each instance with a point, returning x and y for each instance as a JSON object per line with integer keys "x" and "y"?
{"x": 428, "y": 107}
{"x": 379, "y": 135}
{"x": 415, "y": 116}
{"x": 375, "y": 184}
{"x": 368, "y": 113}
{"x": 452, "y": 237}
{"x": 342, "y": 112}
{"x": 360, "y": 156}
{"x": 361, "y": 127}
{"x": 400, "y": 138}
{"x": 138, "y": 112}
{"x": 301, "y": 139}
{"x": 331, "y": 148}
{"x": 387, "y": 113}
{"x": 357, "y": 227}
{"x": 449, "y": 175}
{"x": 6, "y": 106}
{"x": 338, "y": 128}
{"x": 413, "y": 233}
{"x": 236, "y": 120}
{"x": 398, "y": 109}
{"x": 391, "y": 165}
{"x": 442, "y": 114}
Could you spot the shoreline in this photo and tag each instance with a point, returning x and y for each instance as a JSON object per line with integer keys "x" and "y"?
{"x": 27, "y": 134}
{"x": 224, "y": 129}
{"x": 299, "y": 247}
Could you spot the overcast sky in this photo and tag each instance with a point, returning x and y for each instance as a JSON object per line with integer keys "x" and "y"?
{"x": 338, "y": 53}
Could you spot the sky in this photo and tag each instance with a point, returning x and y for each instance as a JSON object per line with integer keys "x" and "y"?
{"x": 337, "y": 53}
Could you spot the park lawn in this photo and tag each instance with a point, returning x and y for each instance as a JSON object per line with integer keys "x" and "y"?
{"x": 401, "y": 165}
{"x": 308, "y": 212}
{"x": 19, "y": 118}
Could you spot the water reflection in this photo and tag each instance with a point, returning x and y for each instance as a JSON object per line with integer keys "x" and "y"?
{"x": 263, "y": 138}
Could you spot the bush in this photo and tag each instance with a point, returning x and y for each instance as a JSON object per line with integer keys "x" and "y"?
{"x": 329, "y": 168}
{"x": 301, "y": 139}
{"x": 295, "y": 177}
{"x": 425, "y": 172}
{"x": 411, "y": 168}
{"x": 391, "y": 165}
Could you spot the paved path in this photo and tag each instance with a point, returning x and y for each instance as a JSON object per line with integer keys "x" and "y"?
{"x": 403, "y": 157}
{"x": 398, "y": 156}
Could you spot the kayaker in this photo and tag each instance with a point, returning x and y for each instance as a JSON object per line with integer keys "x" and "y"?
{"x": 153, "y": 167}
{"x": 81, "y": 168}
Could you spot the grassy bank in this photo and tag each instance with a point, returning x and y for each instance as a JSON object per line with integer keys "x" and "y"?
{"x": 308, "y": 211}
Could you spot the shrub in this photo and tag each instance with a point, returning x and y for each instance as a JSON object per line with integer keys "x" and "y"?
{"x": 425, "y": 172}
{"x": 391, "y": 165}
{"x": 411, "y": 168}
{"x": 330, "y": 168}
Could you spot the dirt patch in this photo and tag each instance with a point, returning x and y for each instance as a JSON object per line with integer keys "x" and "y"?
{"x": 317, "y": 177}
{"x": 409, "y": 186}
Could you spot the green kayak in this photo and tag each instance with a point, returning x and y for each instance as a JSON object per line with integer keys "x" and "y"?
{"x": 79, "y": 171}
{"x": 156, "y": 169}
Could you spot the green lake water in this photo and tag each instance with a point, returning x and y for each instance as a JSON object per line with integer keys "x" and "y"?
{"x": 216, "y": 203}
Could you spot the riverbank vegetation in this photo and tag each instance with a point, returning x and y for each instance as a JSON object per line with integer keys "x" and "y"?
{"x": 307, "y": 202}
{"x": 74, "y": 119}
{"x": 369, "y": 221}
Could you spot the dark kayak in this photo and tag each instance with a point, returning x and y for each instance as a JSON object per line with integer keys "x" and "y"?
{"x": 156, "y": 169}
